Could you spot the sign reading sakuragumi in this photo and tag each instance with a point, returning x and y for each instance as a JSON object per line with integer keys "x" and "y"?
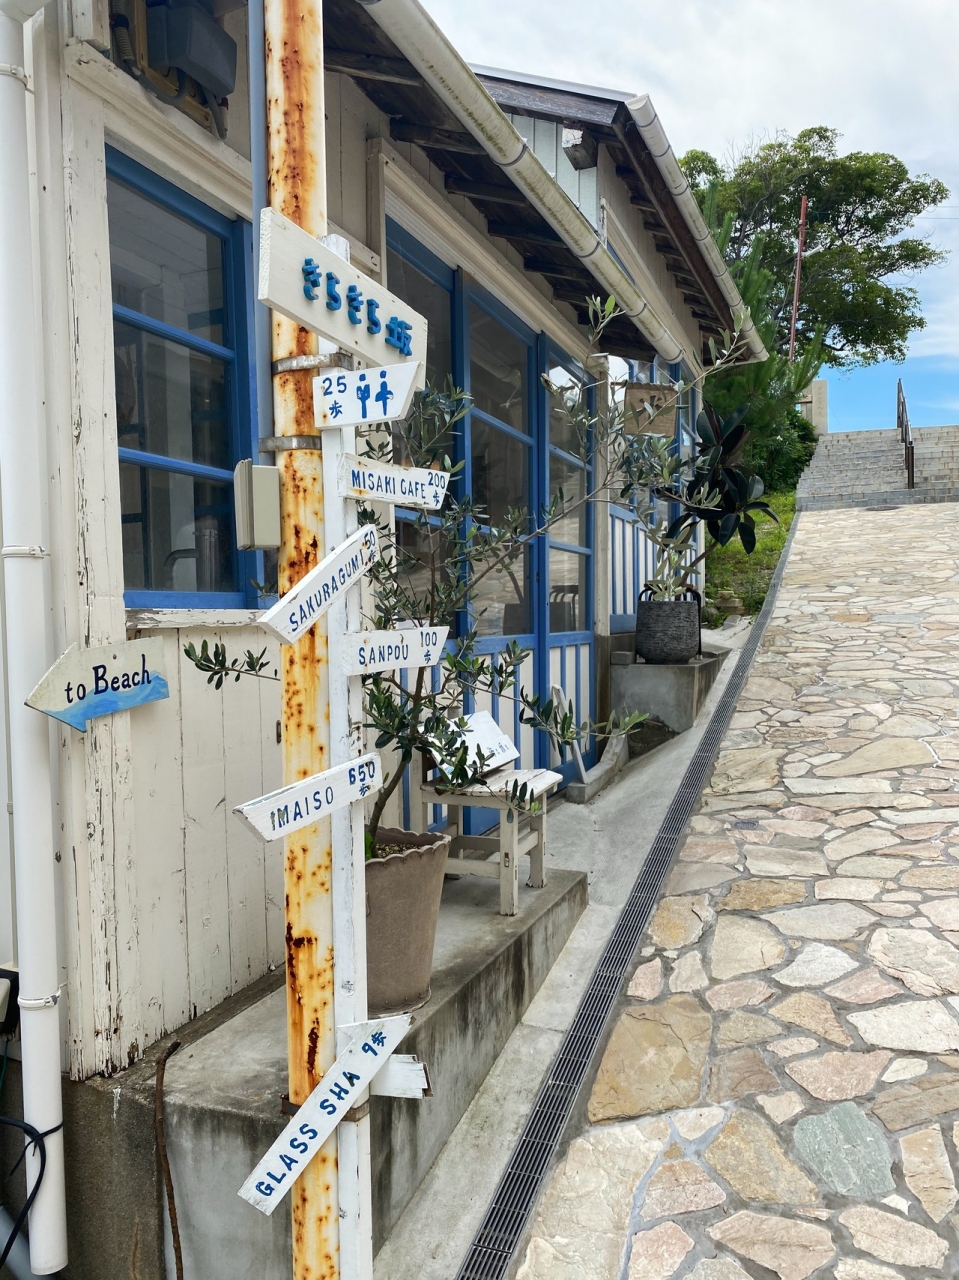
{"x": 417, "y": 646}
{"x": 293, "y": 615}
{"x": 370, "y": 1047}
{"x": 344, "y": 398}
{"x": 384, "y": 482}
{"x": 86, "y": 683}
{"x": 302, "y": 803}
{"x": 310, "y": 284}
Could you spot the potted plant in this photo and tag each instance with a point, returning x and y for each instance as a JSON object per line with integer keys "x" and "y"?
{"x": 430, "y": 568}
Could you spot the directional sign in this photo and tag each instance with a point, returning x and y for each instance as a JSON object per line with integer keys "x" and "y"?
{"x": 310, "y": 284}
{"x": 417, "y": 646}
{"x": 86, "y": 683}
{"x": 293, "y": 615}
{"x": 369, "y": 1050}
{"x": 305, "y": 802}
{"x": 365, "y": 478}
{"x": 343, "y": 398}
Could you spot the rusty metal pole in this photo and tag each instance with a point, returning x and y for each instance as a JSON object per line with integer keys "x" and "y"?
{"x": 297, "y": 188}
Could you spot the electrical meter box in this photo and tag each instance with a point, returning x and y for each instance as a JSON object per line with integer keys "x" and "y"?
{"x": 256, "y": 499}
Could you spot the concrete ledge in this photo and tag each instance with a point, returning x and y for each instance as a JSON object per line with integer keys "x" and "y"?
{"x": 615, "y": 758}
{"x": 672, "y": 694}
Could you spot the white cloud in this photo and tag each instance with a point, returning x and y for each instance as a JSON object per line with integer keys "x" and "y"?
{"x": 880, "y": 71}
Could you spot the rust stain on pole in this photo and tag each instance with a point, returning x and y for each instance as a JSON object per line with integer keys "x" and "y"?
{"x": 296, "y": 124}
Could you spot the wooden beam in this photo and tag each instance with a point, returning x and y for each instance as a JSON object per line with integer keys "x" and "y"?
{"x": 640, "y": 202}
{"x": 489, "y": 191}
{"x": 425, "y": 135}
{"x": 515, "y": 231}
{"x": 579, "y": 147}
{"x": 370, "y": 66}
{"x": 556, "y": 270}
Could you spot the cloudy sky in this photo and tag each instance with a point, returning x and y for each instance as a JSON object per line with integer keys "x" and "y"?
{"x": 883, "y": 72}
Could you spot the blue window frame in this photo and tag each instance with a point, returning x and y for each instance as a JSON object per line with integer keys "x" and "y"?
{"x": 184, "y": 387}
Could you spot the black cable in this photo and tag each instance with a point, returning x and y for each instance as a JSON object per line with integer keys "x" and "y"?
{"x": 36, "y": 1140}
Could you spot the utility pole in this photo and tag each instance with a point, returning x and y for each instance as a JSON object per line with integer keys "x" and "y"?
{"x": 799, "y": 254}
{"x": 296, "y": 128}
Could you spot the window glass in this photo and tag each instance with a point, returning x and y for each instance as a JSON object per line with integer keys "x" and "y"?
{"x": 567, "y": 591}
{"x": 432, "y": 301}
{"x": 501, "y": 599}
{"x": 562, "y": 431}
{"x": 566, "y": 475}
{"x": 164, "y": 266}
{"x": 500, "y": 471}
{"x": 498, "y": 370}
{"x": 177, "y": 531}
{"x": 417, "y": 546}
{"x": 170, "y": 400}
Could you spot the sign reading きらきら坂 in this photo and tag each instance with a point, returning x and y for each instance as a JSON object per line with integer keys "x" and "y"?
{"x": 293, "y": 615}
{"x": 383, "y": 482}
{"x": 86, "y": 683}
{"x": 418, "y": 646}
{"x": 311, "y": 285}
{"x": 369, "y": 1050}
{"x": 302, "y": 803}
{"x": 343, "y": 398}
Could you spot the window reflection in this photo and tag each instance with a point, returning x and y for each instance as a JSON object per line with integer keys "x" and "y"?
{"x": 502, "y": 599}
{"x": 498, "y": 370}
{"x": 566, "y": 475}
{"x": 563, "y": 402}
{"x": 567, "y": 591}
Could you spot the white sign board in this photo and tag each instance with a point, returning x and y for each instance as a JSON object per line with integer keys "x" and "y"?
{"x": 302, "y": 803}
{"x": 365, "y": 478}
{"x": 86, "y": 683}
{"x": 349, "y": 1077}
{"x": 417, "y": 646}
{"x": 313, "y": 286}
{"x": 352, "y": 398}
{"x": 292, "y": 616}
{"x": 487, "y": 743}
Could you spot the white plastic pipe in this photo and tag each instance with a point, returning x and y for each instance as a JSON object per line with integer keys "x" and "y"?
{"x": 419, "y": 39}
{"x": 652, "y": 132}
{"x": 23, "y": 497}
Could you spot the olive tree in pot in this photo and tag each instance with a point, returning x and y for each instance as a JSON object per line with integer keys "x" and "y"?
{"x": 711, "y": 490}
{"x": 430, "y": 568}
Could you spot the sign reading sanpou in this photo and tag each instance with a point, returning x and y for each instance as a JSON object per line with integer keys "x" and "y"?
{"x": 370, "y": 1047}
{"x": 293, "y": 616}
{"x": 384, "y": 482}
{"x": 302, "y": 803}
{"x": 86, "y": 683}
{"x": 417, "y": 646}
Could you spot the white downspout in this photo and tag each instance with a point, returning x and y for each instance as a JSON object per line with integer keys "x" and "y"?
{"x": 24, "y": 501}
{"x": 421, "y": 41}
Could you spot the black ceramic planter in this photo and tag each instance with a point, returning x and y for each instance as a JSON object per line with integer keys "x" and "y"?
{"x": 667, "y": 631}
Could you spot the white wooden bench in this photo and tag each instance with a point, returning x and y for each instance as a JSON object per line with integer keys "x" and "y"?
{"x": 494, "y": 791}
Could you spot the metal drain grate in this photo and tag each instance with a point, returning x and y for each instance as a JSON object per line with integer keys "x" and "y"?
{"x": 502, "y": 1227}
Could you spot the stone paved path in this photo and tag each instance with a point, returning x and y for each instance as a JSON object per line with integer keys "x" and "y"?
{"x": 780, "y": 1096}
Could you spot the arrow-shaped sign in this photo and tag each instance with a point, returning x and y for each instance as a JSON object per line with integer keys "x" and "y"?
{"x": 293, "y": 616}
{"x": 417, "y": 646}
{"x": 302, "y": 803}
{"x": 370, "y": 1047}
{"x": 344, "y": 398}
{"x": 86, "y": 683}
{"x": 364, "y": 478}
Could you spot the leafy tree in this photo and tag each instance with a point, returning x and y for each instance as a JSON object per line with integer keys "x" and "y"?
{"x": 861, "y": 206}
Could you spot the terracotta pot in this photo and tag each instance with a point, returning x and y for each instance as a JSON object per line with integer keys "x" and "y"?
{"x": 667, "y": 630}
{"x": 402, "y": 905}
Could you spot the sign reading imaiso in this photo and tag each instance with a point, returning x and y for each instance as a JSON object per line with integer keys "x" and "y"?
{"x": 302, "y": 803}
{"x": 384, "y": 482}
{"x": 293, "y": 615}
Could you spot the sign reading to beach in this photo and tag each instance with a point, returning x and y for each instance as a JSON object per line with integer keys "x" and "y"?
{"x": 370, "y": 1046}
{"x": 417, "y": 646}
{"x": 302, "y": 803}
{"x": 344, "y": 398}
{"x": 293, "y": 615}
{"x": 365, "y": 478}
{"x": 310, "y": 284}
{"x": 87, "y": 683}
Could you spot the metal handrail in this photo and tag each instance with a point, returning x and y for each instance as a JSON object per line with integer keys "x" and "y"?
{"x": 905, "y": 436}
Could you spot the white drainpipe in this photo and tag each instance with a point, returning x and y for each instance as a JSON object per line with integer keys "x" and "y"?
{"x": 24, "y": 501}
{"x": 651, "y": 131}
{"x": 417, "y": 36}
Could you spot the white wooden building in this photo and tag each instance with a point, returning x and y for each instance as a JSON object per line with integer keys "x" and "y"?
{"x": 143, "y": 246}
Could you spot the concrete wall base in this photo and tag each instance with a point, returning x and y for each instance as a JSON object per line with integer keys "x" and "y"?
{"x": 671, "y": 694}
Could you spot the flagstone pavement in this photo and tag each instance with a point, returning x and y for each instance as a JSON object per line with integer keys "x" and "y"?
{"x": 780, "y": 1094}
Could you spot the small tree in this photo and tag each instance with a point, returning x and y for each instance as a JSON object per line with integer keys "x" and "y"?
{"x": 459, "y": 547}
